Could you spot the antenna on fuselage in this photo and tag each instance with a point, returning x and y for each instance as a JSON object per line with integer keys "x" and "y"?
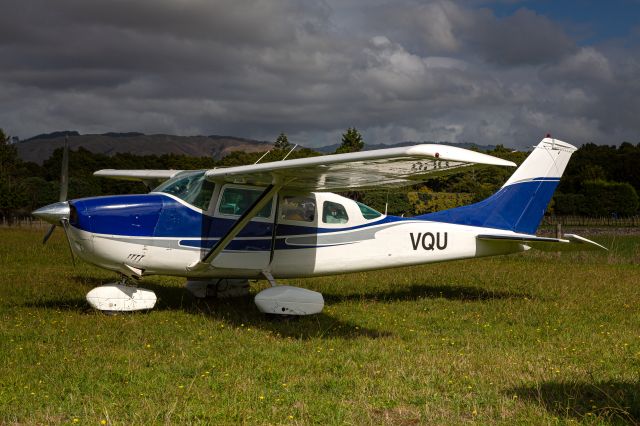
{"x": 386, "y": 204}
{"x": 294, "y": 147}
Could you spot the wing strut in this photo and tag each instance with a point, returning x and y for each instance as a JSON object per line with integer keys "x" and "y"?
{"x": 242, "y": 221}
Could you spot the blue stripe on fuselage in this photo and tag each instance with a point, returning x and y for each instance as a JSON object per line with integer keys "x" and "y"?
{"x": 263, "y": 244}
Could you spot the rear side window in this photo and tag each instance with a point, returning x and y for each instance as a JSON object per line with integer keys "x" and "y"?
{"x": 302, "y": 209}
{"x": 235, "y": 201}
{"x": 367, "y": 212}
{"x": 334, "y": 213}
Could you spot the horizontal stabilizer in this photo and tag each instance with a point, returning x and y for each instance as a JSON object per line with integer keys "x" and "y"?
{"x": 568, "y": 242}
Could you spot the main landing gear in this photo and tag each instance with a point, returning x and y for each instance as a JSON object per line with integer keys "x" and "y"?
{"x": 277, "y": 299}
{"x": 220, "y": 288}
{"x": 288, "y": 300}
{"x": 121, "y": 297}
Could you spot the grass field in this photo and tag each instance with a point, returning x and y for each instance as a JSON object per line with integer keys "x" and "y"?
{"x": 534, "y": 338}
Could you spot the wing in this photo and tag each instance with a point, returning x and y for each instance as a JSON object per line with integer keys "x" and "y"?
{"x": 138, "y": 175}
{"x": 358, "y": 170}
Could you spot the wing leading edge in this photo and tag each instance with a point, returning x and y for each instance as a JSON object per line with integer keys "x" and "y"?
{"x": 358, "y": 170}
{"x": 137, "y": 175}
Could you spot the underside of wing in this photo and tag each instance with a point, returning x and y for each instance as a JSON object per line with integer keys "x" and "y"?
{"x": 138, "y": 175}
{"x": 358, "y": 170}
{"x": 568, "y": 242}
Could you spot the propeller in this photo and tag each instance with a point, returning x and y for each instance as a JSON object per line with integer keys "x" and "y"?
{"x": 64, "y": 189}
{"x": 65, "y": 225}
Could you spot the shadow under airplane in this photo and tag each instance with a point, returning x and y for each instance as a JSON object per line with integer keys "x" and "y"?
{"x": 425, "y": 291}
{"x": 238, "y": 311}
{"x": 242, "y": 311}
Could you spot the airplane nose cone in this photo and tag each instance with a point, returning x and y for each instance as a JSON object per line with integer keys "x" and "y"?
{"x": 53, "y": 213}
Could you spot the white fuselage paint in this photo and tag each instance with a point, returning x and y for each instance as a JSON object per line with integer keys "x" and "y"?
{"x": 406, "y": 243}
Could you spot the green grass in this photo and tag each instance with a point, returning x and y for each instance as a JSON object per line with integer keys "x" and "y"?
{"x": 534, "y": 338}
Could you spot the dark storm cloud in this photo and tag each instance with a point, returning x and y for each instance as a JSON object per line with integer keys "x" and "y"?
{"x": 428, "y": 70}
{"x": 521, "y": 39}
{"x": 445, "y": 27}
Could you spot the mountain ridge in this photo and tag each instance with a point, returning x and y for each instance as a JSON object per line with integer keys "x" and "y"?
{"x": 39, "y": 148}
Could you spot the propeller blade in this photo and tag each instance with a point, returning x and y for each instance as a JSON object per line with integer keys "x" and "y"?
{"x": 48, "y": 234}
{"x": 64, "y": 173}
{"x": 65, "y": 224}
{"x": 64, "y": 189}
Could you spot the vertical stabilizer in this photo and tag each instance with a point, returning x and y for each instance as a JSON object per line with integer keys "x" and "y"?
{"x": 521, "y": 202}
{"x": 548, "y": 160}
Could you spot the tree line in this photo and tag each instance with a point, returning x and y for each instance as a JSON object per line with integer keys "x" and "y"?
{"x": 599, "y": 181}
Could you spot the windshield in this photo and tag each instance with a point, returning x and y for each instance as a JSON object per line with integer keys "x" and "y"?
{"x": 190, "y": 187}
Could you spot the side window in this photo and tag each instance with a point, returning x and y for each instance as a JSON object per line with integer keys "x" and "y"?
{"x": 367, "y": 212}
{"x": 235, "y": 201}
{"x": 302, "y": 209}
{"x": 334, "y": 213}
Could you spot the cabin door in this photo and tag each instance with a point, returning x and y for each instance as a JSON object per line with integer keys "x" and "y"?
{"x": 251, "y": 249}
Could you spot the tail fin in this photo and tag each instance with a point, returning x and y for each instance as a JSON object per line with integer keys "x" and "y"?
{"x": 521, "y": 202}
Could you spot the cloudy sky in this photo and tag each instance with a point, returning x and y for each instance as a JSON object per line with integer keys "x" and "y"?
{"x": 462, "y": 71}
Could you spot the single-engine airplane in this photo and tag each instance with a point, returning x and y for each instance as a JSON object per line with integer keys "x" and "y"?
{"x": 221, "y": 227}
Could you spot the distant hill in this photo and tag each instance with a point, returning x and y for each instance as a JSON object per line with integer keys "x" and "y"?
{"x": 367, "y": 147}
{"x": 39, "y": 148}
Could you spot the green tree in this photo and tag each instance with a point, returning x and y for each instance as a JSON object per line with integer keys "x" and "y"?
{"x": 351, "y": 141}
{"x": 604, "y": 198}
{"x": 11, "y": 193}
{"x": 282, "y": 142}
{"x": 425, "y": 200}
{"x": 8, "y": 157}
{"x": 38, "y": 192}
{"x": 569, "y": 204}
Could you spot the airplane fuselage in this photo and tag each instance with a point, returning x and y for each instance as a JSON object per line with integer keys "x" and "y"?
{"x": 161, "y": 234}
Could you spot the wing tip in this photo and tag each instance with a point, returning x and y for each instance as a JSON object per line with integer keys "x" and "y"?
{"x": 454, "y": 153}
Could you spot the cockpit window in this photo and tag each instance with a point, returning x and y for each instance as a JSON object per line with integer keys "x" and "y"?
{"x": 367, "y": 212}
{"x": 334, "y": 213}
{"x": 192, "y": 188}
{"x": 235, "y": 201}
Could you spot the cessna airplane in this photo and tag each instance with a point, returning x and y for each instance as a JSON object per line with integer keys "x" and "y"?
{"x": 221, "y": 227}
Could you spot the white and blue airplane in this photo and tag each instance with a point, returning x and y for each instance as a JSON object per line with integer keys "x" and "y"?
{"x": 221, "y": 227}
